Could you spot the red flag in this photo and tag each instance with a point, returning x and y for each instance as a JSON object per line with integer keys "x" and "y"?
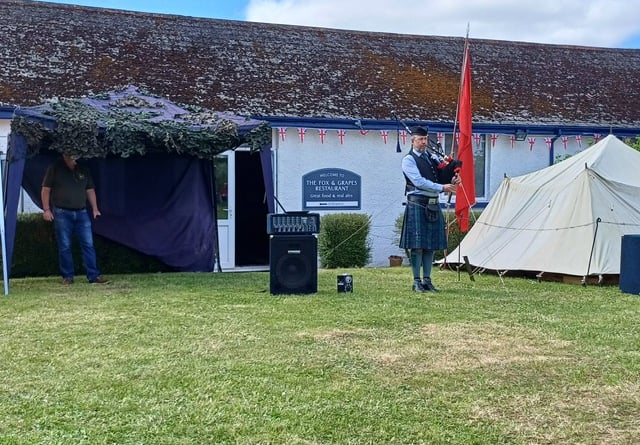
{"x": 466, "y": 193}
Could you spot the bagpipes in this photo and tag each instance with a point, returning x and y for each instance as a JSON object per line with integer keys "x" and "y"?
{"x": 448, "y": 168}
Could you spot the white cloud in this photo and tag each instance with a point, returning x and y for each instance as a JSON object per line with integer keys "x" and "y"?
{"x": 607, "y": 23}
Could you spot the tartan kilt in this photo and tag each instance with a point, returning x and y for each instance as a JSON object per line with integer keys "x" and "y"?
{"x": 418, "y": 233}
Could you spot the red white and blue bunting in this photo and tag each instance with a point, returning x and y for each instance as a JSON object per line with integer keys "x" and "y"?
{"x": 403, "y": 137}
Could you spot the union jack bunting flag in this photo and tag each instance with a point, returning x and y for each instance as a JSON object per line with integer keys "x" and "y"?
{"x": 301, "y": 133}
{"x": 323, "y": 134}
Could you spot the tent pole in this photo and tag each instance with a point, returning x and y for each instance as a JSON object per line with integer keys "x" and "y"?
{"x": 593, "y": 244}
{"x": 5, "y": 270}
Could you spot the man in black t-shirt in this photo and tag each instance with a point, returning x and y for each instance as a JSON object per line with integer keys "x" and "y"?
{"x": 66, "y": 188}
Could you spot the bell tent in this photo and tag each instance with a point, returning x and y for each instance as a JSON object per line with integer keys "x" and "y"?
{"x": 566, "y": 219}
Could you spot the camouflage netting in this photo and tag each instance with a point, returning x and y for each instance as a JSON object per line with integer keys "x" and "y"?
{"x": 130, "y": 122}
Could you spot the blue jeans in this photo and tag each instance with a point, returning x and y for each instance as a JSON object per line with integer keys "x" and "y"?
{"x": 74, "y": 222}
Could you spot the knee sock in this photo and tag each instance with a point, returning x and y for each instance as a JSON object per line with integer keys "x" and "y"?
{"x": 416, "y": 262}
{"x": 427, "y": 262}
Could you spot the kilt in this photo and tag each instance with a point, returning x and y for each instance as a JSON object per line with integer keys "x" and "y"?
{"x": 418, "y": 233}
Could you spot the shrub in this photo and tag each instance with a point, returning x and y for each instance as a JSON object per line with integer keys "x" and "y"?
{"x": 35, "y": 252}
{"x": 343, "y": 240}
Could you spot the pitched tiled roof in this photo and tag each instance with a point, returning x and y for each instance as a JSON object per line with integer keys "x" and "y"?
{"x": 290, "y": 71}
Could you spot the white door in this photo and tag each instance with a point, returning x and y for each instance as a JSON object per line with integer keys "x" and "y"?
{"x": 226, "y": 196}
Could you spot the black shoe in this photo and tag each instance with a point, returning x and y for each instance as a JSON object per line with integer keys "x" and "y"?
{"x": 100, "y": 280}
{"x": 428, "y": 286}
{"x": 417, "y": 286}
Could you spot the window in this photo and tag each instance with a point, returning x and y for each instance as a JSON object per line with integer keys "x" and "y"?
{"x": 479, "y": 160}
{"x": 221, "y": 164}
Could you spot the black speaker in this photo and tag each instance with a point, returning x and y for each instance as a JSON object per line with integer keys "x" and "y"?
{"x": 630, "y": 264}
{"x": 293, "y": 264}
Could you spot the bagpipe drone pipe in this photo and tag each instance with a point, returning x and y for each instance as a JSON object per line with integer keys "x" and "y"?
{"x": 448, "y": 167}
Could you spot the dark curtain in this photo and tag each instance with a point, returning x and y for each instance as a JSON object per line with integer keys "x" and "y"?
{"x": 267, "y": 175}
{"x": 14, "y": 168}
{"x": 159, "y": 205}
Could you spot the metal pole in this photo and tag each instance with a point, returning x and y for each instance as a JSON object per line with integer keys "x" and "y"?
{"x": 5, "y": 270}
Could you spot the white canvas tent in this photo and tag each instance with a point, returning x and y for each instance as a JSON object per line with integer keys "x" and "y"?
{"x": 566, "y": 219}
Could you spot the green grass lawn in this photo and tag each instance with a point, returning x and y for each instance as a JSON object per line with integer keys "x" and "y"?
{"x": 215, "y": 359}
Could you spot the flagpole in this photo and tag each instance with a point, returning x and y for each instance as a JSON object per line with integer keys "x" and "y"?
{"x": 465, "y": 196}
{"x": 455, "y": 124}
{"x": 465, "y": 53}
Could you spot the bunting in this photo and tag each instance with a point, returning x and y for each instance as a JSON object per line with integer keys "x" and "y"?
{"x": 323, "y": 134}
{"x": 460, "y": 136}
{"x": 403, "y": 136}
{"x": 301, "y": 133}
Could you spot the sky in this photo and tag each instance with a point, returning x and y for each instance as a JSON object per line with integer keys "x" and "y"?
{"x": 602, "y": 23}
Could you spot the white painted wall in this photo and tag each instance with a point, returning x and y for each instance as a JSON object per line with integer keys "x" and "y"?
{"x": 378, "y": 164}
{"x": 5, "y": 128}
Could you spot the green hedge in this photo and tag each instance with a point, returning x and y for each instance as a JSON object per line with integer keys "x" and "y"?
{"x": 343, "y": 240}
{"x": 36, "y": 254}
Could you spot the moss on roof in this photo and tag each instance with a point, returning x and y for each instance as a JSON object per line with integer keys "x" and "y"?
{"x": 257, "y": 69}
